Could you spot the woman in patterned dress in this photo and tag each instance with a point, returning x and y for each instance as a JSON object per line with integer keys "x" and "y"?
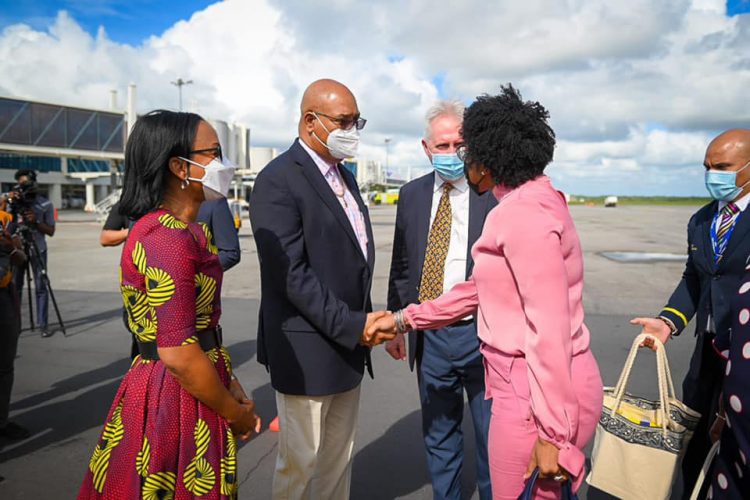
{"x": 170, "y": 432}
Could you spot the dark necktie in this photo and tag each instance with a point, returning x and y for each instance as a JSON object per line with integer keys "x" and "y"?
{"x": 433, "y": 271}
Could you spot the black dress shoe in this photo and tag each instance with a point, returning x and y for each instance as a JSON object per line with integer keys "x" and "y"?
{"x": 46, "y": 332}
{"x": 14, "y": 432}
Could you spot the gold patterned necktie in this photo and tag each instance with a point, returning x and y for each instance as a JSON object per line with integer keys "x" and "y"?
{"x": 433, "y": 271}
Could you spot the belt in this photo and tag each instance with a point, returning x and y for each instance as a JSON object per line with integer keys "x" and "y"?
{"x": 463, "y": 322}
{"x": 208, "y": 339}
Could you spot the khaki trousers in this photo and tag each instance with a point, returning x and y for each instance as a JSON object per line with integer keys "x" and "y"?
{"x": 316, "y": 443}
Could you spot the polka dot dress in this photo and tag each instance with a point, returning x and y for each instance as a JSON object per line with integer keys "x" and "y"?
{"x": 730, "y": 472}
{"x": 158, "y": 441}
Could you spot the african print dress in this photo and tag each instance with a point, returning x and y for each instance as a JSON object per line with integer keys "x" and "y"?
{"x": 159, "y": 442}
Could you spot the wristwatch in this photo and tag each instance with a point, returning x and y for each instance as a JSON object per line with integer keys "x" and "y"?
{"x": 668, "y": 322}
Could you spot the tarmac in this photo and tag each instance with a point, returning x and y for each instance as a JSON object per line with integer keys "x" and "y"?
{"x": 64, "y": 384}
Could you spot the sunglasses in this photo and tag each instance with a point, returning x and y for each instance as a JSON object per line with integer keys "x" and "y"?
{"x": 214, "y": 152}
{"x": 345, "y": 123}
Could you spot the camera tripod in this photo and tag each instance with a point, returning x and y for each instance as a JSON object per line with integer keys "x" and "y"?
{"x": 34, "y": 259}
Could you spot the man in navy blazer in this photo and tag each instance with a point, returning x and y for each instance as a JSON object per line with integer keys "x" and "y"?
{"x": 448, "y": 360}
{"x": 317, "y": 256}
{"x": 711, "y": 280}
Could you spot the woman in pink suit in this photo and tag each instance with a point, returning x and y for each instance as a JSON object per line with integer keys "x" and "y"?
{"x": 526, "y": 292}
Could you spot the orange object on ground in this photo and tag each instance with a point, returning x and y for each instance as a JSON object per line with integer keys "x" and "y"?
{"x": 274, "y": 425}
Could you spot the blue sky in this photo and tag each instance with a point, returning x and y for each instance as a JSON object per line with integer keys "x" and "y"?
{"x": 126, "y": 21}
{"x": 735, "y": 7}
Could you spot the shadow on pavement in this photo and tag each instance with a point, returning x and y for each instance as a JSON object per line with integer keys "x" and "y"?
{"x": 394, "y": 465}
{"x": 241, "y": 352}
{"x": 57, "y": 422}
{"x": 75, "y": 383}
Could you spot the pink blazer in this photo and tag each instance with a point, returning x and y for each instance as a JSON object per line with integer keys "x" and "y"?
{"x": 526, "y": 290}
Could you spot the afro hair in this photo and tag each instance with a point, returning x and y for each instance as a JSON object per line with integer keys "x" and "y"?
{"x": 509, "y": 137}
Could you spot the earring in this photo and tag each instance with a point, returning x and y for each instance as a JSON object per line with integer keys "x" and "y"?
{"x": 184, "y": 184}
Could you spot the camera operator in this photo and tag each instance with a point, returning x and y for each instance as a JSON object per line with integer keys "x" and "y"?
{"x": 11, "y": 254}
{"x": 35, "y": 212}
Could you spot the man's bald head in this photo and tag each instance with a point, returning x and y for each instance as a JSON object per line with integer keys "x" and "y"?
{"x": 326, "y": 104}
{"x": 735, "y": 141}
{"x": 730, "y": 152}
{"x": 323, "y": 93}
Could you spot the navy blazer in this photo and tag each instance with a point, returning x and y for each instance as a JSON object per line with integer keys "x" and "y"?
{"x": 315, "y": 280}
{"x": 410, "y": 244}
{"x": 217, "y": 215}
{"x": 707, "y": 288}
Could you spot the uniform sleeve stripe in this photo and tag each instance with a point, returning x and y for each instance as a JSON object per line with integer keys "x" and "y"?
{"x": 678, "y": 314}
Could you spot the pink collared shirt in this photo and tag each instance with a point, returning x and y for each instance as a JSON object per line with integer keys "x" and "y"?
{"x": 346, "y": 199}
{"x": 526, "y": 289}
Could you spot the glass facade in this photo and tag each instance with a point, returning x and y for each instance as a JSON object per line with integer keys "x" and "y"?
{"x": 77, "y": 165}
{"x": 48, "y": 125}
{"x": 13, "y": 161}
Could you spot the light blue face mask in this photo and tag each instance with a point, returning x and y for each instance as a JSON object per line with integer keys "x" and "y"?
{"x": 448, "y": 166}
{"x": 722, "y": 185}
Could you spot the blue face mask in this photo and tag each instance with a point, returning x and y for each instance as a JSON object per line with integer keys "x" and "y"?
{"x": 449, "y": 167}
{"x": 722, "y": 185}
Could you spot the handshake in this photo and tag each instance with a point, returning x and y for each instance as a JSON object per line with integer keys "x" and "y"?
{"x": 381, "y": 326}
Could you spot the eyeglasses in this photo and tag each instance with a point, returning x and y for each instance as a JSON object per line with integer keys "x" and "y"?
{"x": 462, "y": 152}
{"x": 214, "y": 152}
{"x": 345, "y": 123}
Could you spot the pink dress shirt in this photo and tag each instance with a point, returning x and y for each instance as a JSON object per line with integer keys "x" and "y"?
{"x": 526, "y": 290}
{"x": 345, "y": 197}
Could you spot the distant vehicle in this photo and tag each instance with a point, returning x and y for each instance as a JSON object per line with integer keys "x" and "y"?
{"x": 390, "y": 197}
{"x": 73, "y": 202}
{"x": 610, "y": 201}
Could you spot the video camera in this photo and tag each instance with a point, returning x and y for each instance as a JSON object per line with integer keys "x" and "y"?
{"x": 21, "y": 199}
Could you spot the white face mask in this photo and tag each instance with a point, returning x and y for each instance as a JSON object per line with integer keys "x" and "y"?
{"x": 341, "y": 143}
{"x": 217, "y": 177}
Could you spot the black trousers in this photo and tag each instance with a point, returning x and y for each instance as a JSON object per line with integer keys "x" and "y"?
{"x": 10, "y": 330}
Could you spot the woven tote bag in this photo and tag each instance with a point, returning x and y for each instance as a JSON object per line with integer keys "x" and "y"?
{"x": 639, "y": 442}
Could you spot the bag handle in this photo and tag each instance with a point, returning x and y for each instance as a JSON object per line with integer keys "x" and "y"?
{"x": 622, "y": 382}
{"x": 664, "y": 378}
{"x": 661, "y": 376}
{"x": 704, "y": 471}
{"x": 671, "y": 393}
{"x": 566, "y": 490}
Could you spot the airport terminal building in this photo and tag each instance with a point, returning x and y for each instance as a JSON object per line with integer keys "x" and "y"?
{"x": 78, "y": 153}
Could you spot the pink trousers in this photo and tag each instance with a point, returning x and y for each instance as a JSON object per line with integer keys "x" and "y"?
{"x": 512, "y": 428}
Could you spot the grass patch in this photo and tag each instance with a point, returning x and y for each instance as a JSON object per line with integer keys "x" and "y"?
{"x": 641, "y": 200}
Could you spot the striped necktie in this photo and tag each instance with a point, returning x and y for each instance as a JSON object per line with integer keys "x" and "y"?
{"x": 433, "y": 271}
{"x": 724, "y": 231}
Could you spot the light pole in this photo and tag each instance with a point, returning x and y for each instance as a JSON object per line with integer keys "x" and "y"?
{"x": 179, "y": 83}
{"x": 387, "y": 143}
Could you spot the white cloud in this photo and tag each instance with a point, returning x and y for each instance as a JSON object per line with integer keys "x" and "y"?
{"x": 635, "y": 89}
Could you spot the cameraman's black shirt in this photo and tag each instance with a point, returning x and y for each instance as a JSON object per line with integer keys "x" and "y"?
{"x": 115, "y": 221}
{"x": 45, "y": 212}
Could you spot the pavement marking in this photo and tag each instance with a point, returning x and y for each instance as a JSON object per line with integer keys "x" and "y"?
{"x": 628, "y": 257}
